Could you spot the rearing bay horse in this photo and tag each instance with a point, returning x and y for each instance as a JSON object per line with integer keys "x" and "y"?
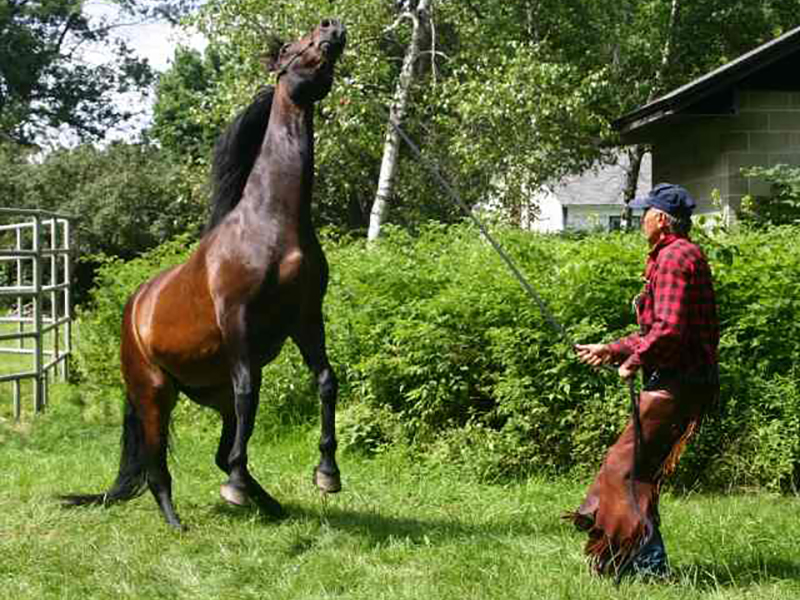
{"x": 257, "y": 278}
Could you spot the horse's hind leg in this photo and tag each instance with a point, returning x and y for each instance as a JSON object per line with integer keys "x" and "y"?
{"x": 155, "y": 408}
{"x": 312, "y": 346}
{"x": 253, "y": 490}
{"x": 153, "y": 396}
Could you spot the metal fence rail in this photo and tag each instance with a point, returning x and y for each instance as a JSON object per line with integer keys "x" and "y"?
{"x": 35, "y": 302}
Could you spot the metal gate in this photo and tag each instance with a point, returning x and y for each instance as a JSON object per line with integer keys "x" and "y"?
{"x": 35, "y": 303}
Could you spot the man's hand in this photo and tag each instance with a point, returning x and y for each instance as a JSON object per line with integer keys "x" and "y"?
{"x": 626, "y": 372}
{"x": 593, "y": 354}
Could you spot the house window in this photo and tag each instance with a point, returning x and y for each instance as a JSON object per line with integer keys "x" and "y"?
{"x": 615, "y": 222}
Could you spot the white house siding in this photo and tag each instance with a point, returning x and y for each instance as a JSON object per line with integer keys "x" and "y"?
{"x": 592, "y": 217}
{"x": 550, "y": 218}
{"x": 587, "y": 201}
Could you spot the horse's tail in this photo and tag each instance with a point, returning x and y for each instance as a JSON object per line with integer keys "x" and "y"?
{"x": 132, "y": 477}
{"x": 235, "y": 154}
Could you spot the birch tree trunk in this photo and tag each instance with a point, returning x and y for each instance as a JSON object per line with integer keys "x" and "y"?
{"x": 419, "y": 17}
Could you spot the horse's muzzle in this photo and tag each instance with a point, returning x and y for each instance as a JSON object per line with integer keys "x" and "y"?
{"x": 332, "y": 37}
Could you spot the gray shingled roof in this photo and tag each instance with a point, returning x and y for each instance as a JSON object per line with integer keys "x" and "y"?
{"x": 600, "y": 187}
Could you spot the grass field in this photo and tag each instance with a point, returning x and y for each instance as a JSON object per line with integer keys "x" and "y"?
{"x": 399, "y": 530}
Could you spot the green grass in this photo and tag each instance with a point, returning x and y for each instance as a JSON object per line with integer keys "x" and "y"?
{"x": 400, "y": 529}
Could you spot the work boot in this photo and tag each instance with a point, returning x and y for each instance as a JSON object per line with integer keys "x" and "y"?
{"x": 651, "y": 560}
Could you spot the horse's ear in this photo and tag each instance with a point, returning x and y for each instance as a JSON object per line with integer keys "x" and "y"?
{"x": 273, "y": 52}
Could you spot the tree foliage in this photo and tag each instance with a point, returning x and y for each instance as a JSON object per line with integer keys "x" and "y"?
{"x": 506, "y": 96}
{"x": 45, "y": 79}
{"x": 450, "y": 110}
{"x": 183, "y": 95}
{"x": 347, "y": 148}
{"x": 127, "y": 198}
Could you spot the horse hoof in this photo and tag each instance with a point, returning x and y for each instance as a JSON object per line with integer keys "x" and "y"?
{"x": 327, "y": 483}
{"x": 233, "y": 494}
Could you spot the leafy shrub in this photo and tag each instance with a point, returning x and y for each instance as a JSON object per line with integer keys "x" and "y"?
{"x": 435, "y": 331}
{"x": 438, "y": 349}
{"x": 127, "y": 198}
{"x": 782, "y": 206}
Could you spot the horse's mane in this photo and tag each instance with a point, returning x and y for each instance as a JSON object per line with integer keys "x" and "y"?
{"x": 235, "y": 154}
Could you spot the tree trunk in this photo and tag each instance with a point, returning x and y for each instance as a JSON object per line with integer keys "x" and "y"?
{"x": 632, "y": 170}
{"x": 397, "y": 111}
{"x": 636, "y": 153}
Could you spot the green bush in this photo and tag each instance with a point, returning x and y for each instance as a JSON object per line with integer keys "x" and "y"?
{"x": 438, "y": 349}
{"x": 434, "y": 330}
{"x": 781, "y": 206}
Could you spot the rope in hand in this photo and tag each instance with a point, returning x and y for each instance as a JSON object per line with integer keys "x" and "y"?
{"x": 551, "y": 320}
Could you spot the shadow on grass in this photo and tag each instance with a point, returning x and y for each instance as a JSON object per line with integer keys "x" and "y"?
{"x": 377, "y": 528}
{"x": 742, "y": 571}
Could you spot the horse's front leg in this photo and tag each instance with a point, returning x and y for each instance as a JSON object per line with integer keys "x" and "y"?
{"x": 312, "y": 346}
{"x": 241, "y": 487}
{"x": 326, "y": 474}
{"x": 246, "y": 385}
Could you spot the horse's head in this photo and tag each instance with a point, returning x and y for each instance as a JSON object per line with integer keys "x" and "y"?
{"x": 306, "y": 65}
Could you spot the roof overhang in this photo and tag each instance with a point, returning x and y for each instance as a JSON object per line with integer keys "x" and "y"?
{"x": 711, "y": 95}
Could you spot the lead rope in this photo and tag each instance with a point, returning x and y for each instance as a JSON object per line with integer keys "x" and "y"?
{"x": 499, "y": 249}
{"x": 557, "y": 327}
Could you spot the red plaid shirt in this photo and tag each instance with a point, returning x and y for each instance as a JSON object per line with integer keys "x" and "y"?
{"x": 676, "y": 312}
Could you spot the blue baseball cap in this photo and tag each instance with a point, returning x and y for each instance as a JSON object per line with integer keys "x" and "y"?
{"x": 668, "y": 197}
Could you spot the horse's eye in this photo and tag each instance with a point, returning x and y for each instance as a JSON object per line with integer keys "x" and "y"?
{"x": 285, "y": 48}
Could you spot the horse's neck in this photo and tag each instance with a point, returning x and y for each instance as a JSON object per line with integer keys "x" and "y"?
{"x": 282, "y": 176}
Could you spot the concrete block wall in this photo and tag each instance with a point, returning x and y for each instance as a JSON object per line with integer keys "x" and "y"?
{"x": 690, "y": 155}
{"x": 705, "y": 154}
{"x": 766, "y": 132}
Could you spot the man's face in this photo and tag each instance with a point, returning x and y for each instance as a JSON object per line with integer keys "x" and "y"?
{"x": 653, "y": 224}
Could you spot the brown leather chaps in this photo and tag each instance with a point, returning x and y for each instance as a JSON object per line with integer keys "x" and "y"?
{"x": 620, "y": 510}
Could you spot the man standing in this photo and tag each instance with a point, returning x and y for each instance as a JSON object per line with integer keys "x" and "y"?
{"x": 676, "y": 350}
